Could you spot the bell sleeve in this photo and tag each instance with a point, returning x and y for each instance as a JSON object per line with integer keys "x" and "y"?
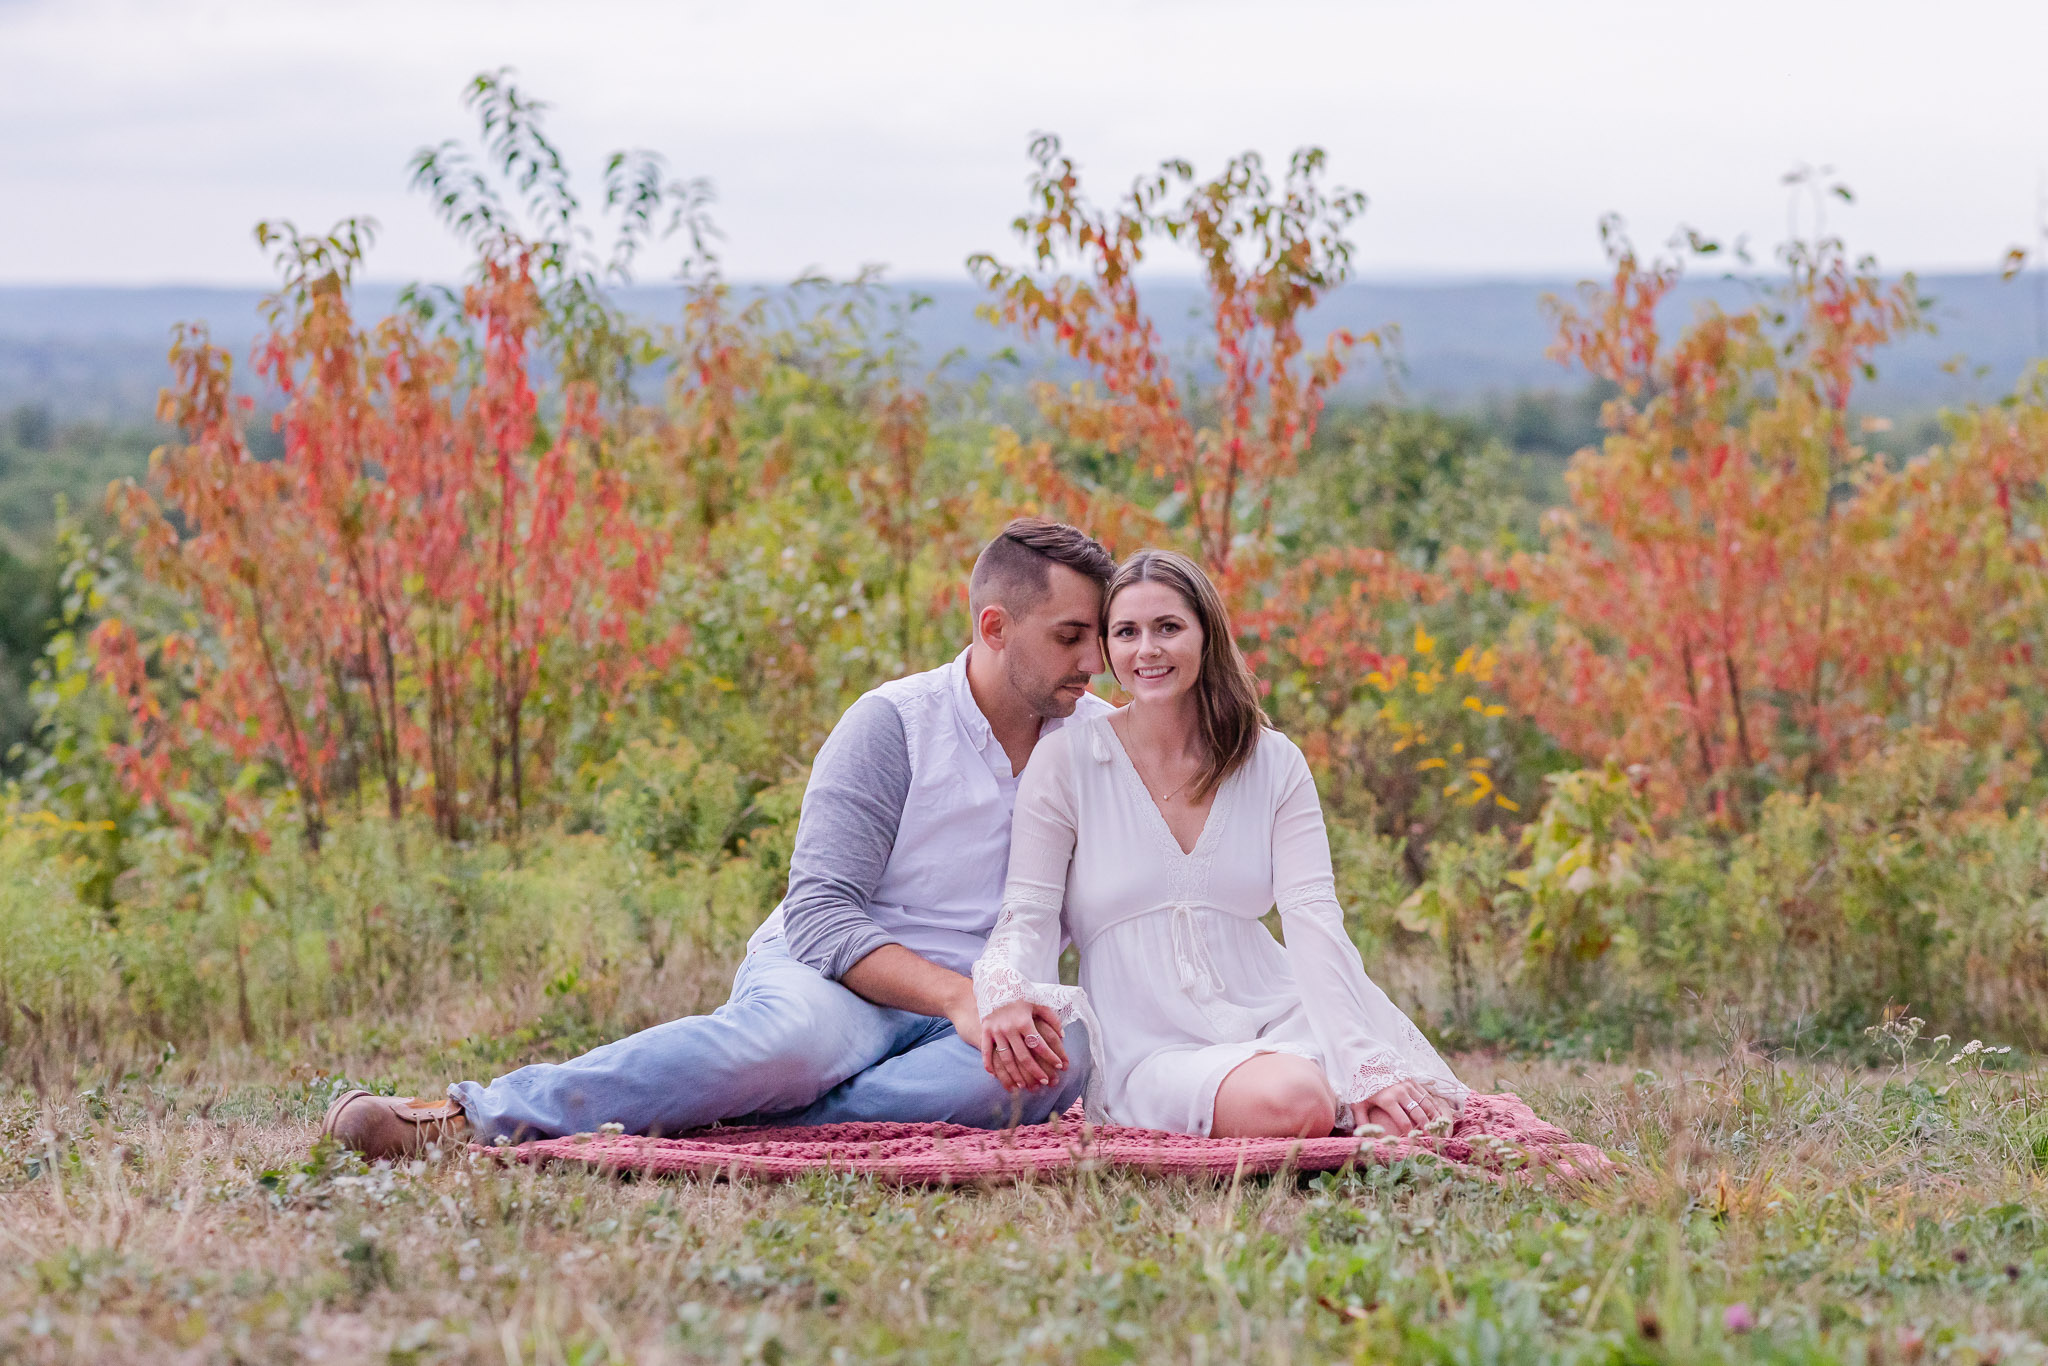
{"x": 1367, "y": 1043}
{"x": 1021, "y": 959}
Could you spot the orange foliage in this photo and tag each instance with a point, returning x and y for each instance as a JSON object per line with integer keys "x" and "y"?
{"x": 1321, "y": 616}
{"x": 1314, "y": 627}
{"x": 391, "y": 588}
{"x": 1741, "y": 596}
{"x": 720, "y": 363}
{"x": 1266, "y": 258}
{"x": 1960, "y": 586}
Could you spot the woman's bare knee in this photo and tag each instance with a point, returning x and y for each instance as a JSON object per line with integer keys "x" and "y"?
{"x": 1274, "y": 1095}
{"x": 1305, "y": 1109}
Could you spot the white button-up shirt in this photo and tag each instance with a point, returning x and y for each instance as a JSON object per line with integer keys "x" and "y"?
{"x": 905, "y": 831}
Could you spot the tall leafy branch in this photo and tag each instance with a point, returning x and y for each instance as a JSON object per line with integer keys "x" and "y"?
{"x": 441, "y": 541}
{"x": 1267, "y": 253}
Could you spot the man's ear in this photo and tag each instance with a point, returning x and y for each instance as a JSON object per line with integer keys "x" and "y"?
{"x": 991, "y": 626}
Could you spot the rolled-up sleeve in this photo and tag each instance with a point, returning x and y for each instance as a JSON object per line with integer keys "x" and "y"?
{"x": 845, "y": 834}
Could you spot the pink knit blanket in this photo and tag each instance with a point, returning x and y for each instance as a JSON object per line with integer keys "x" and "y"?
{"x": 1497, "y": 1135}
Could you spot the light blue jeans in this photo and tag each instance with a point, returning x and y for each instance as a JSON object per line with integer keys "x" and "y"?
{"x": 790, "y": 1047}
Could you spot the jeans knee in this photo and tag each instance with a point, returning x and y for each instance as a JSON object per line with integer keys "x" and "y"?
{"x": 780, "y": 1049}
{"x": 793, "y": 1031}
{"x": 1080, "y": 1055}
{"x": 1073, "y": 1083}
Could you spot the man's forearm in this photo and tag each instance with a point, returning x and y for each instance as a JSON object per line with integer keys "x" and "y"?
{"x": 893, "y": 976}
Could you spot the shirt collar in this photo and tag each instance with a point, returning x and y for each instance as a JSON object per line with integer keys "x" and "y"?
{"x": 978, "y": 728}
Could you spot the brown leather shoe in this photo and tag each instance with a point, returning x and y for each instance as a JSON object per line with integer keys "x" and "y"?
{"x": 381, "y": 1127}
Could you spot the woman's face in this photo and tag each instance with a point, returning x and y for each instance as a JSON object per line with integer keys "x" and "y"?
{"x": 1155, "y": 643}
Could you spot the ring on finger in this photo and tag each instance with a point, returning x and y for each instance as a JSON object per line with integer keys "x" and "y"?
{"x": 1002, "y": 1048}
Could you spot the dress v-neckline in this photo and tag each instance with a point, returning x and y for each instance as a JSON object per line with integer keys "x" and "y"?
{"x": 1159, "y": 822}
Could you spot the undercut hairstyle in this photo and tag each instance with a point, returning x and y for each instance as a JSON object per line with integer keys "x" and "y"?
{"x": 1014, "y": 571}
{"x": 1226, "y": 694}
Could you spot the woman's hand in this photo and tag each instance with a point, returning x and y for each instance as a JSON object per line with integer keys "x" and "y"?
{"x": 1021, "y": 1045}
{"x": 1405, "y": 1107}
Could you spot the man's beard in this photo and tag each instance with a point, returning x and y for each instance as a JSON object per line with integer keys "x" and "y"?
{"x": 1046, "y": 699}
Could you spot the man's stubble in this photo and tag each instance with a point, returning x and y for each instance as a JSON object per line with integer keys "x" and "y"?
{"x": 1046, "y": 699}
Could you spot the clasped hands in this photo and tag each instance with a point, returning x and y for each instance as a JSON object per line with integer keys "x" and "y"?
{"x": 1022, "y": 1045}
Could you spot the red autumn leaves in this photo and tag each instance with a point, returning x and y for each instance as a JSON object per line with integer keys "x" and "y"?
{"x": 430, "y": 553}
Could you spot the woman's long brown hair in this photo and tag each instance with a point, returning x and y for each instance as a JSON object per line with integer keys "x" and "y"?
{"x": 1226, "y": 695}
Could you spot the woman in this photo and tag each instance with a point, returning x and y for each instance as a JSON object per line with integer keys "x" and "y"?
{"x": 1157, "y": 837}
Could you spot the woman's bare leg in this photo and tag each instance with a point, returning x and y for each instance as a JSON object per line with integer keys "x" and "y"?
{"x": 1274, "y": 1095}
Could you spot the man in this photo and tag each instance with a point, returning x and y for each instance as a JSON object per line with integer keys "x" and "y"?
{"x": 855, "y": 1001}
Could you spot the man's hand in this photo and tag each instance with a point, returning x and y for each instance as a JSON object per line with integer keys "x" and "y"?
{"x": 1021, "y": 1045}
{"x": 966, "y": 1018}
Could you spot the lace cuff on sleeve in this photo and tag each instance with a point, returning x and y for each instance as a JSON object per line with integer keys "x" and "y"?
{"x": 1377, "y": 1069}
{"x": 1018, "y": 959}
{"x": 1372, "y": 1041}
{"x": 1014, "y": 958}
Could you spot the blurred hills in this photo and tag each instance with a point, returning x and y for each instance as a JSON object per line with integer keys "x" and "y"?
{"x": 98, "y": 353}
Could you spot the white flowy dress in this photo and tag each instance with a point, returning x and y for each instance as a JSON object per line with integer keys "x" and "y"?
{"x": 1179, "y": 980}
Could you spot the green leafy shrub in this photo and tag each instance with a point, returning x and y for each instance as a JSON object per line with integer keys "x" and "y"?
{"x": 1584, "y": 873}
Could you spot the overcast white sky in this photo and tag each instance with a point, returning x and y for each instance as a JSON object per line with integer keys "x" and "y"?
{"x": 141, "y": 139}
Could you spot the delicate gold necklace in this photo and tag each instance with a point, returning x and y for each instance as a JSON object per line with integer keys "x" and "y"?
{"x": 1165, "y": 797}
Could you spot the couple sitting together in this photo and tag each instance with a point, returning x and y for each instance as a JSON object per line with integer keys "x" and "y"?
{"x": 959, "y": 827}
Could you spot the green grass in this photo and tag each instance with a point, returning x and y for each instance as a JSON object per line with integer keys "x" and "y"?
{"x": 179, "y": 1210}
{"x": 169, "y": 1204}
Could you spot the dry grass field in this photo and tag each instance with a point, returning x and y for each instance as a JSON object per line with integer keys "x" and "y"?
{"x": 1779, "y": 1211}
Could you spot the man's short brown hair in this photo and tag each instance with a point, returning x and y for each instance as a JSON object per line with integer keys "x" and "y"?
{"x": 1015, "y": 569}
